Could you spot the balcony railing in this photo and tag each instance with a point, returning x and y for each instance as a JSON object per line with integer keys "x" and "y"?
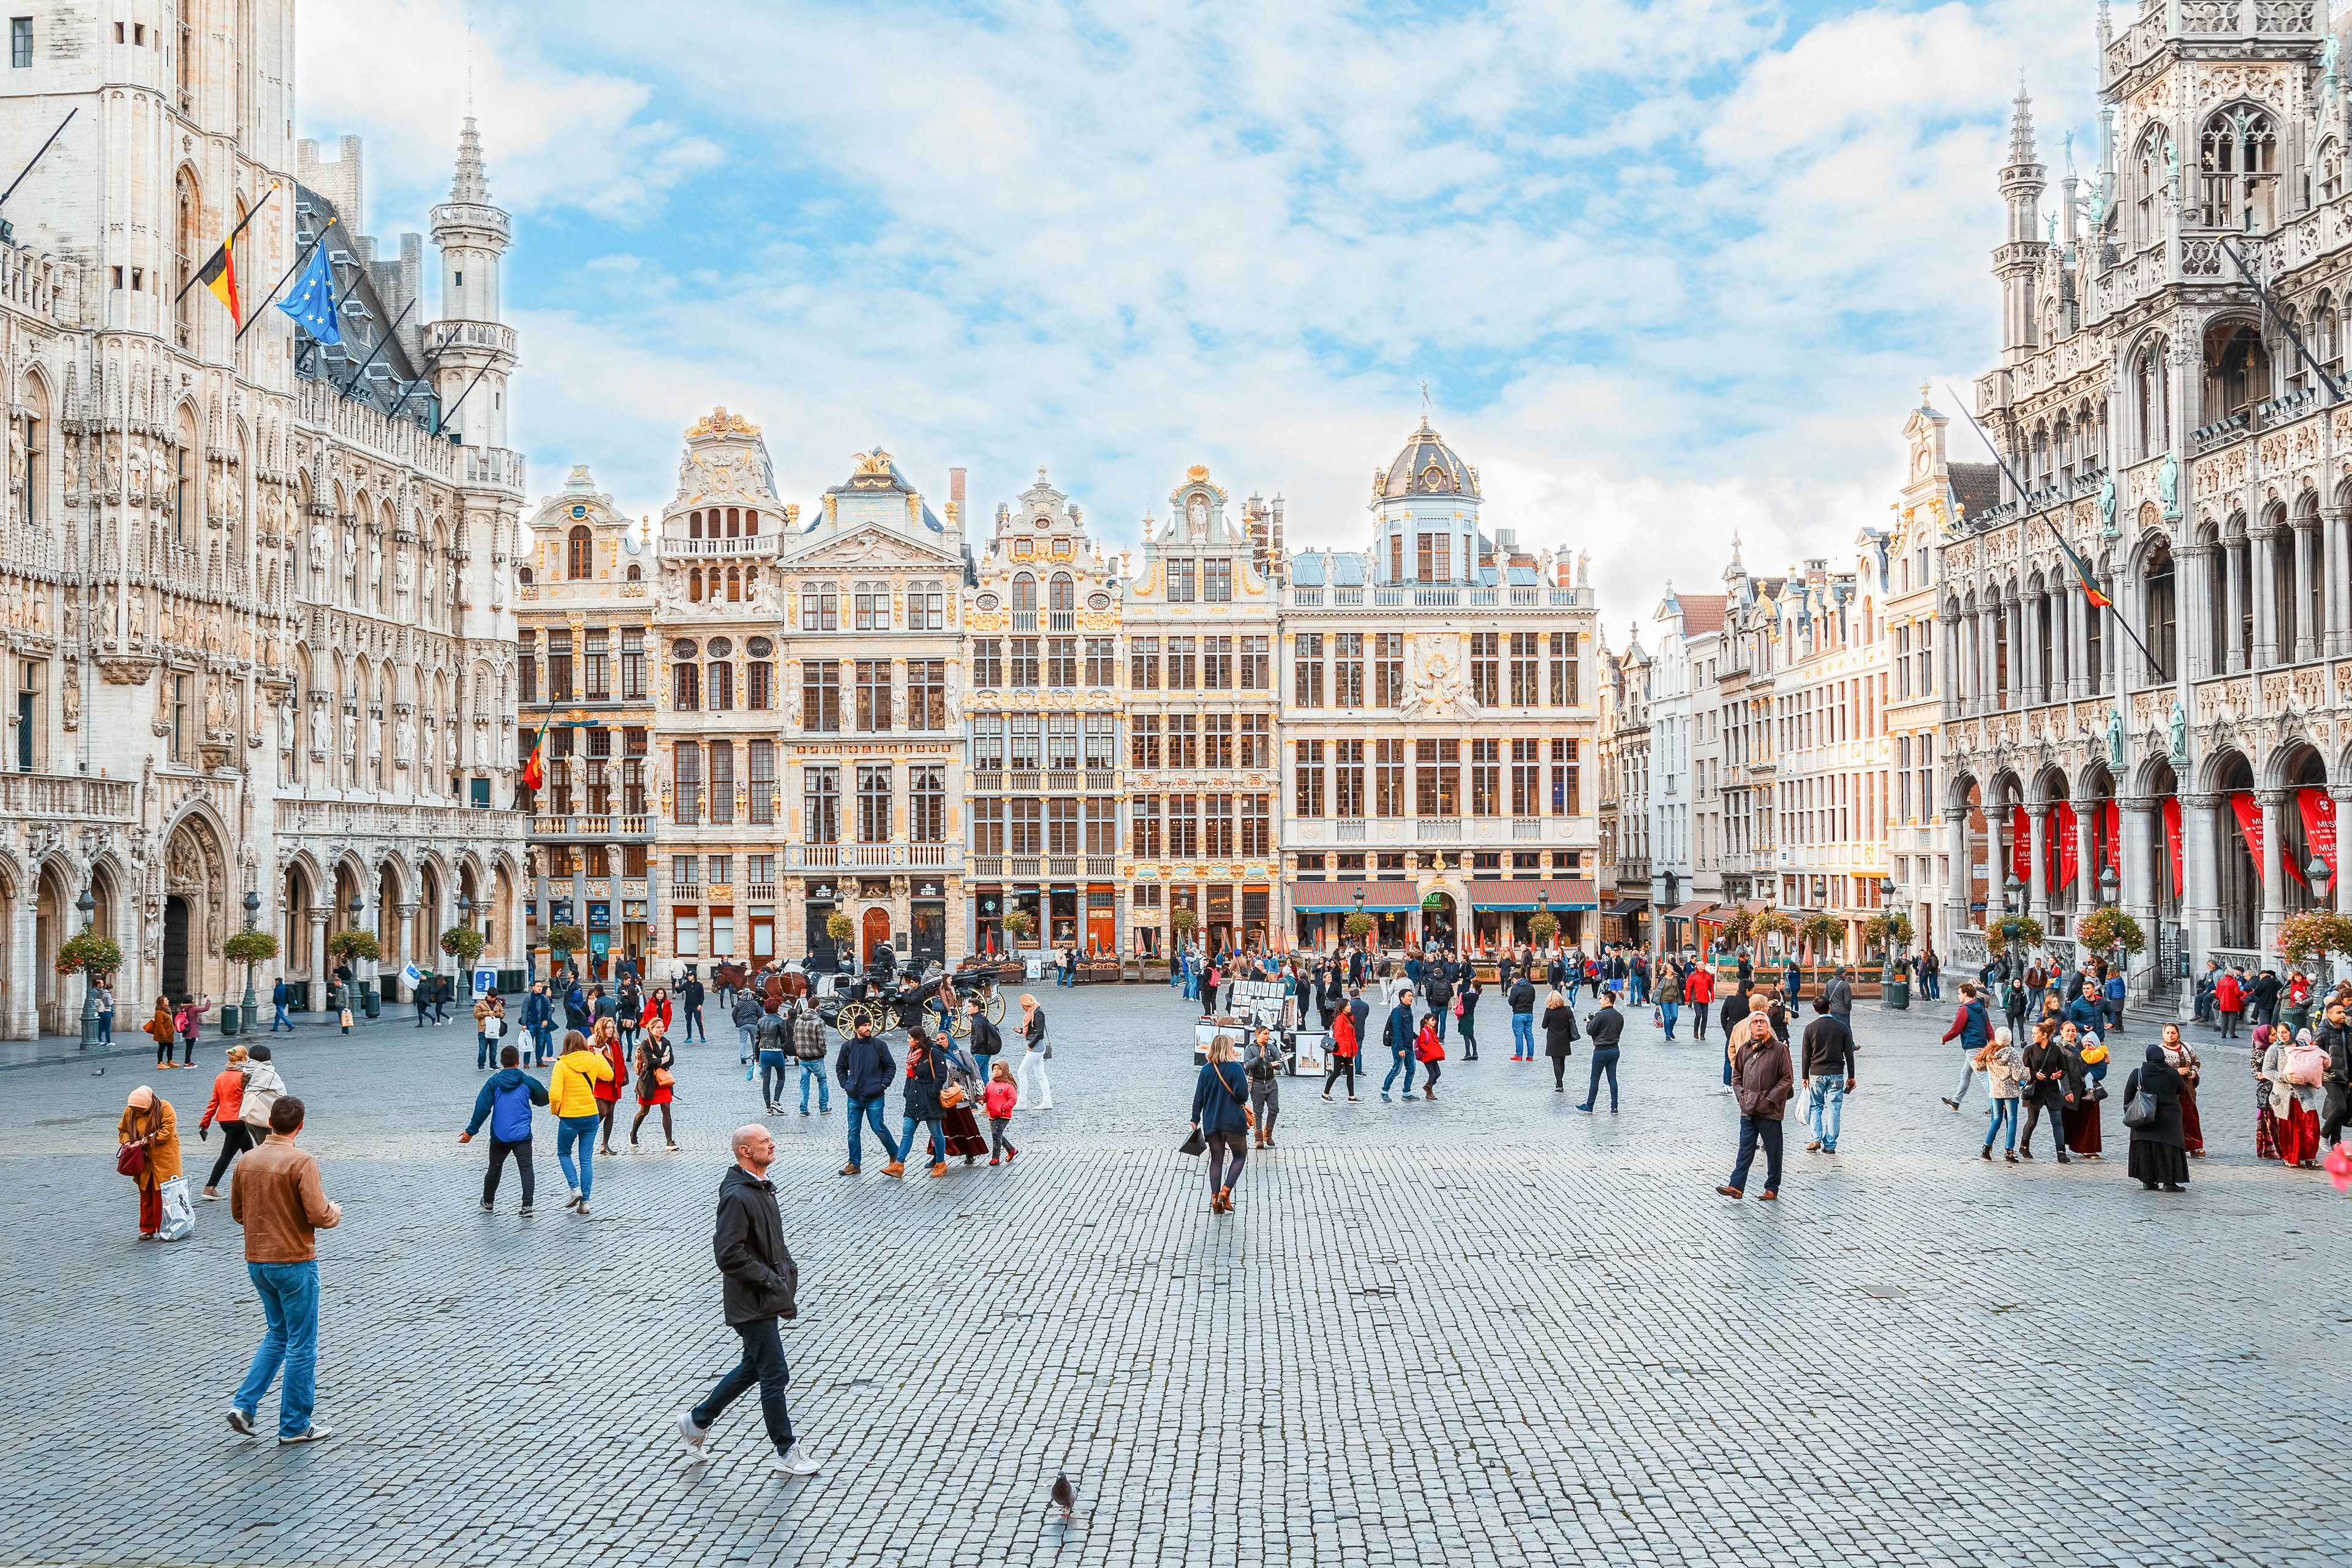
{"x": 1526, "y": 827}
{"x": 1350, "y": 830}
{"x": 66, "y": 797}
{"x": 686, "y": 893}
{"x": 987, "y": 782}
{"x": 1024, "y": 620}
{"x": 1102, "y": 866}
{"x": 1025, "y": 784}
{"x": 1307, "y": 597}
{"x": 1024, "y": 866}
{"x": 1344, "y": 597}
{"x": 755, "y": 545}
{"x": 1437, "y": 829}
{"x": 1063, "y": 620}
{"x": 1060, "y": 782}
{"x": 1102, "y": 778}
{"x": 1062, "y": 866}
{"x": 988, "y": 866}
{"x": 756, "y": 891}
{"x": 932, "y": 855}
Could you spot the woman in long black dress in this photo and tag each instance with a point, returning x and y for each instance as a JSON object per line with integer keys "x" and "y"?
{"x": 2159, "y": 1154}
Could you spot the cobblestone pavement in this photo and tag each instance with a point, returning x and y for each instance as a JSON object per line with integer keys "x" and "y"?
{"x": 1485, "y": 1331}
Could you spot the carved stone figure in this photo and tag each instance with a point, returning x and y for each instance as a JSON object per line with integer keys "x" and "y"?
{"x": 403, "y": 574}
{"x": 2108, "y": 507}
{"x": 2115, "y": 737}
{"x": 404, "y": 738}
{"x": 351, "y": 735}
{"x": 2180, "y": 736}
{"x": 2168, "y": 487}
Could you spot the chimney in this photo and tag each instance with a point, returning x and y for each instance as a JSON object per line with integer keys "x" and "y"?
{"x": 955, "y": 496}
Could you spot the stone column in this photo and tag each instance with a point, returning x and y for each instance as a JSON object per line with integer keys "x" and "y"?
{"x": 316, "y": 990}
{"x": 1956, "y": 884}
{"x": 2342, "y": 796}
{"x": 2037, "y": 886}
{"x": 2138, "y": 892}
{"x": 2272, "y": 804}
{"x": 2087, "y": 864}
{"x": 2262, "y": 582}
{"x": 19, "y": 1020}
{"x": 2305, "y": 641}
{"x": 2200, "y": 911}
{"x": 2333, "y": 641}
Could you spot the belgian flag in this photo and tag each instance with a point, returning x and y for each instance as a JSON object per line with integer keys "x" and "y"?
{"x": 2084, "y": 575}
{"x": 219, "y": 271}
{"x": 219, "y": 274}
{"x": 534, "y": 772}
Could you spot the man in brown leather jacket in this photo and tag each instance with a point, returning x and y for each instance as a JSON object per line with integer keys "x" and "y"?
{"x": 1761, "y": 1080}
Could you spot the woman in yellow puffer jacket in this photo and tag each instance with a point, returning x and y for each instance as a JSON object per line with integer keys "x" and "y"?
{"x": 571, "y": 1099}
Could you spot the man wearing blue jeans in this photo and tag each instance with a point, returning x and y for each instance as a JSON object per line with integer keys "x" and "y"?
{"x": 282, "y": 1202}
{"x": 278, "y": 996}
{"x": 866, "y": 1071}
{"x": 1399, "y": 1032}
{"x": 1829, "y": 1075}
{"x": 1523, "y": 1018}
{"x": 808, "y": 1045}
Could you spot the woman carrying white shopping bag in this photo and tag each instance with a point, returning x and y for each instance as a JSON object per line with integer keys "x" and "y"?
{"x": 1037, "y": 1094}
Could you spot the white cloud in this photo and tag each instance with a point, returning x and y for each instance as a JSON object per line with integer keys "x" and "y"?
{"x": 1675, "y": 270}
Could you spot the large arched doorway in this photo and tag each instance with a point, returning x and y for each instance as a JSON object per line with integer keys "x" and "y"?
{"x": 2307, "y": 824}
{"x": 179, "y": 922}
{"x": 2237, "y": 880}
{"x": 1437, "y": 923}
{"x": 875, "y": 934}
{"x": 53, "y": 919}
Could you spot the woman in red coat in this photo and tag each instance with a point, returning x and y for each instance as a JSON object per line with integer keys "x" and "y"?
{"x": 657, "y": 1006}
{"x": 654, "y": 1060}
{"x": 1429, "y": 1049}
{"x": 606, "y": 1042}
{"x": 2230, "y": 1001}
{"x": 1343, "y": 1052}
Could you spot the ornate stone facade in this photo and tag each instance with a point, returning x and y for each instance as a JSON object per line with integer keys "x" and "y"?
{"x": 260, "y": 628}
{"x": 2194, "y": 449}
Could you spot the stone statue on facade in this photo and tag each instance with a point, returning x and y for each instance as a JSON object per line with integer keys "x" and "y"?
{"x": 2168, "y": 487}
{"x": 2108, "y": 507}
{"x": 2115, "y": 737}
{"x": 2179, "y": 735}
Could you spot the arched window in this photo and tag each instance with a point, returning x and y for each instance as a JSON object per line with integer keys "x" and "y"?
{"x": 2238, "y": 375}
{"x": 872, "y": 608}
{"x": 751, "y": 524}
{"x": 2237, "y": 167}
{"x": 1024, "y": 603}
{"x": 734, "y": 520}
{"x": 180, "y": 479}
{"x": 2152, "y": 399}
{"x": 580, "y": 560}
{"x": 637, "y": 573}
{"x": 694, "y": 525}
{"x": 694, "y": 585}
{"x": 1062, "y": 599}
{"x": 2327, "y": 336}
{"x": 2331, "y": 169}
{"x": 2155, "y": 176}
{"x": 734, "y": 584}
{"x": 2062, "y": 447}
{"x": 187, "y": 228}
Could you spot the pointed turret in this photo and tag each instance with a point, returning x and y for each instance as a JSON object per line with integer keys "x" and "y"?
{"x": 471, "y": 185}
{"x": 2016, "y": 262}
{"x": 476, "y": 352}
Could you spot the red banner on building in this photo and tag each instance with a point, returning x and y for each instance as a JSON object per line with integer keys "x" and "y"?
{"x": 2111, "y": 817}
{"x": 2172, "y": 841}
{"x": 2069, "y": 845}
{"x": 2021, "y": 846}
{"x": 2319, "y": 825}
{"x": 2249, "y": 812}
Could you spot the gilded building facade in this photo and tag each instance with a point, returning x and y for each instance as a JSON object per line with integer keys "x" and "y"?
{"x": 1438, "y": 715}
{"x": 1046, "y": 679}
{"x": 256, "y": 592}
{"x": 584, "y": 621}
{"x": 1202, "y": 775}
{"x": 873, "y": 764}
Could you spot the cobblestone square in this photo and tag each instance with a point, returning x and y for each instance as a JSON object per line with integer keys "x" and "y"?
{"x": 1490, "y": 1329}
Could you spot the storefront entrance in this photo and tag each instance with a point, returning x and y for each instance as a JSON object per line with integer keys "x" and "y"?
{"x": 928, "y": 936}
{"x": 875, "y": 936}
{"x": 822, "y": 954}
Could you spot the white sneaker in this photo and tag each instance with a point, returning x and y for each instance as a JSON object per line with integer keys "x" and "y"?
{"x": 573, "y": 1201}
{"x": 793, "y": 1462}
{"x": 690, "y": 1433}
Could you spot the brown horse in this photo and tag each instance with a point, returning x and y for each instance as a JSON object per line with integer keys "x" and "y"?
{"x": 730, "y": 976}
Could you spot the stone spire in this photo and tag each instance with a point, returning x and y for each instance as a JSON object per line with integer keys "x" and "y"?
{"x": 2020, "y": 128}
{"x": 471, "y": 185}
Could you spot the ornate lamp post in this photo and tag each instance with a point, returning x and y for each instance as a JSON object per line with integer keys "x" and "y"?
{"x": 1543, "y": 907}
{"x": 252, "y": 910}
{"x": 88, "y": 906}
{"x": 1886, "y": 946}
{"x": 357, "y": 908}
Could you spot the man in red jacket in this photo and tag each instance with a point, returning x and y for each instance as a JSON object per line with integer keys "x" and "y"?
{"x": 2230, "y": 1001}
{"x": 1698, "y": 990}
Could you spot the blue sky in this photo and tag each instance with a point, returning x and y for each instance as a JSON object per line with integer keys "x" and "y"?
{"x": 1671, "y": 270}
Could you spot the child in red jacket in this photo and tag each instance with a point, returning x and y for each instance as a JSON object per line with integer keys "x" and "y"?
{"x": 1430, "y": 1050}
{"x": 1002, "y": 1095}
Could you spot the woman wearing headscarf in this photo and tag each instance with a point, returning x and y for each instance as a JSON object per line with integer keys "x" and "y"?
{"x": 928, "y": 1073}
{"x": 2088, "y": 1054}
{"x": 2182, "y": 1059}
{"x": 2292, "y": 1071}
{"x": 959, "y": 1123}
{"x": 1037, "y": 1094}
{"x": 148, "y": 1121}
{"x": 2158, "y": 1154}
{"x": 1220, "y": 1114}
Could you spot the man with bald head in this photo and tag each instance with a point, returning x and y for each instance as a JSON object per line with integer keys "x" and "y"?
{"x": 760, "y": 1279}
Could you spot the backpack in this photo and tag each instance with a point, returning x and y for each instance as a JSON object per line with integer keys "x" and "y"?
{"x": 2306, "y": 1065}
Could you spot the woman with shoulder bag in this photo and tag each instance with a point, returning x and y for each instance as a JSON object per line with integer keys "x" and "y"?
{"x": 1037, "y": 1094}
{"x": 1560, "y": 1035}
{"x": 148, "y": 1151}
{"x": 928, "y": 1085}
{"x": 656, "y": 1075}
{"x": 1220, "y": 1114}
{"x": 1343, "y": 1051}
{"x": 2156, "y": 1153}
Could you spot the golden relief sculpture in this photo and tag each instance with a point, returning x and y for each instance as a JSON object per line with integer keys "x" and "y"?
{"x": 719, "y": 422}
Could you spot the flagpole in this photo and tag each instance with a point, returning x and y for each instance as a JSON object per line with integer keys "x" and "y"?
{"x": 345, "y": 389}
{"x": 231, "y": 239}
{"x": 254, "y": 314}
{"x": 2043, "y": 513}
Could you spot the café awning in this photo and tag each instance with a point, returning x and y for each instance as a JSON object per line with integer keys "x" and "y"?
{"x": 1624, "y": 907}
{"x": 1558, "y": 895}
{"x": 1325, "y": 897}
{"x": 1692, "y": 910}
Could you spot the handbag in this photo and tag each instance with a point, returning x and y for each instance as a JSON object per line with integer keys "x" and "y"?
{"x": 664, "y": 1077}
{"x": 2141, "y": 1110}
{"x": 130, "y": 1160}
{"x": 951, "y": 1097}
{"x": 1193, "y": 1144}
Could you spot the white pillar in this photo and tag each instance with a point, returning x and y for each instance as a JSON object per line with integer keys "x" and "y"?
{"x": 2200, "y": 903}
{"x": 321, "y": 978}
{"x": 2037, "y": 887}
{"x": 2272, "y": 803}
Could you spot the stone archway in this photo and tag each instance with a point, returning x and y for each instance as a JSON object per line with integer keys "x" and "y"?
{"x": 195, "y": 877}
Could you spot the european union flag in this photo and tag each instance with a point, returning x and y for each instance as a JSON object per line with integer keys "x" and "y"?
{"x": 311, "y": 299}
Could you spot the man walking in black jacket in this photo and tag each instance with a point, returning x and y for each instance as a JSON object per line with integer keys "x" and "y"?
{"x": 759, "y": 1279}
